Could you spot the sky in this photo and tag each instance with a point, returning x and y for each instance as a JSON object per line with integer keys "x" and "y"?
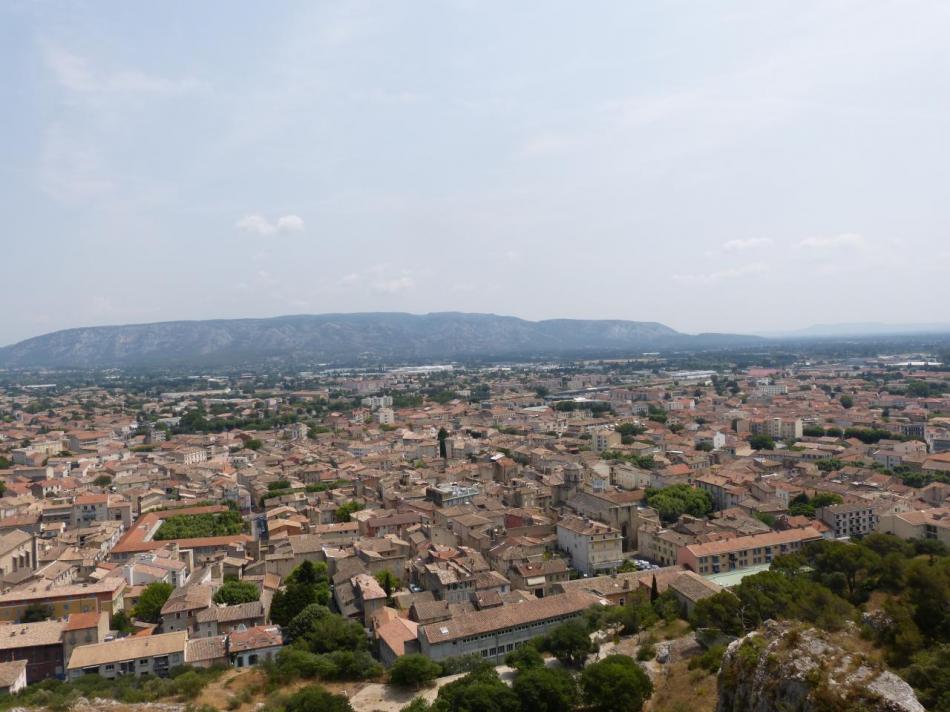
{"x": 715, "y": 166}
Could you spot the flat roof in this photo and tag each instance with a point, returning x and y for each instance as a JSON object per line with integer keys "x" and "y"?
{"x": 728, "y": 579}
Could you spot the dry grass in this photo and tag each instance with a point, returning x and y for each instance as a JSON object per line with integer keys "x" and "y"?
{"x": 679, "y": 689}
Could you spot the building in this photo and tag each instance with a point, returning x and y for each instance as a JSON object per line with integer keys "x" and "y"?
{"x": 539, "y": 577}
{"x": 495, "y": 632}
{"x": 84, "y": 629}
{"x": 396, "y": 637}
{"x": 744, "y": 551}
{"x": 219, "y": 620}
{"x": 922, "y": 524}
{"x": 135, "y": 655}
{"x": 17, "y": 556}
{"x": 12, "y": 676}
{"x": 375, "y": 402}
{"x": 250, "y": 647}
{"x": 847, "y": 520}
{"x": 181, "y": 610}
{"x": 451, "y": 494}
{"x": 62, "y": 601}
{"x": 593, "y": 546}
{"x": 777, "y": 428}
{"x": 690, "y": 588}
{"x": 601, "y": 440}
{"x": 39, "y": 644}
{"x": 770, "y": 390}
{"x": 386, "y": 416}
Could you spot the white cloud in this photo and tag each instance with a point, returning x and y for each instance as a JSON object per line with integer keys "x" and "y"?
{"x": 260, "y": 225}
{"x": 349, "y": 279}
{"x": 846, "y": 239}
{"x": 722, "y": 275}
{"x": 740, "y": 245}
{"x": 394, "y": 286}
{"x": 76, "y": 74}
{"x": 289, "y": 223}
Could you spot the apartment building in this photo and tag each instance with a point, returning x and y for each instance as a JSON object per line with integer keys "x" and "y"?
{"x": 593, "y": 546}
{"x": 777, "y": 428}
{"x": 847, "y": 520}
{"x": 63, "y": 600}
{"x": 375, "y": 402}
{"x": 744, "y": 551}
{"x": 601, "y": 440}
{"x": 923, "y": 524}
{"x": 135, "y": 655}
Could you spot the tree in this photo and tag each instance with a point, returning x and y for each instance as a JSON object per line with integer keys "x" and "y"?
{"x": 720, "y": 611}
{"x": 388, "y": 581}
{"x": 542, "y": 689}
{"x": 525, "y": 657}
{"x": 846, "y": 401}
{"x": 120, "y": 622}
{"x": 305, "y": 585}
{"x": 316, "y": 699}
{"x": 234, "y": 592}
{"x": 672, "y": 502}
{"x": 570, "y": 643}
{"x": 761, "y": 442}
{"x": 254, "y": 444}
{"x": 193, "y": 526}
{"x": 302, "y": 624}
{"x": 322, "y": 631}
{"x": 102, "y": 481}
{"x": 149, "y": 607}
{"x": 413, "y": 670}
{"x": 851, "y": 561}
{"x": 615, "y": 683}
{"x": 36, "y": 612}
{"x": 343, "y": 512}
{"x": 654, "y": 590}
{"x": 479, "y": 691}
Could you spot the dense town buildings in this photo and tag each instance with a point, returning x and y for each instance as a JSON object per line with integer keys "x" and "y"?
{"x": 457, "y": 512}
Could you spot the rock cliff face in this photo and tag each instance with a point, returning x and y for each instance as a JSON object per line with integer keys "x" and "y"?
{"x": 794, "y": 669}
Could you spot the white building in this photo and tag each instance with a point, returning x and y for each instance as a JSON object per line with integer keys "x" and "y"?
{"x": 593, "y": 546}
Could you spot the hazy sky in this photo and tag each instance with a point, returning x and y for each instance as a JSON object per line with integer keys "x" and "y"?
{"x": 715, "y": 166}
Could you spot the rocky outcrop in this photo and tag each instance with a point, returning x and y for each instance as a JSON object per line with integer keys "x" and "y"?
{"x": 794, "y": 669}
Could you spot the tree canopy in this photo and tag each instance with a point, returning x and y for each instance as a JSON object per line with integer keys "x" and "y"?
{"x": 195, "y": 526}
{"x": 151, "y": 600}
{"x": 233, "y": 592}
{"x": 413, "y": 670}
{"x": 615, "y": 683}
{"x": 671, "y": 502}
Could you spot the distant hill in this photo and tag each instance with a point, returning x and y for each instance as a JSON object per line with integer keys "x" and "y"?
{"x": 862, "y": 329}
{"x": 348, "y": 338}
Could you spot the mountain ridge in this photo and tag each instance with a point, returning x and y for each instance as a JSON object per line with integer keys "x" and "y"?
{"x": 342, "y": 337}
